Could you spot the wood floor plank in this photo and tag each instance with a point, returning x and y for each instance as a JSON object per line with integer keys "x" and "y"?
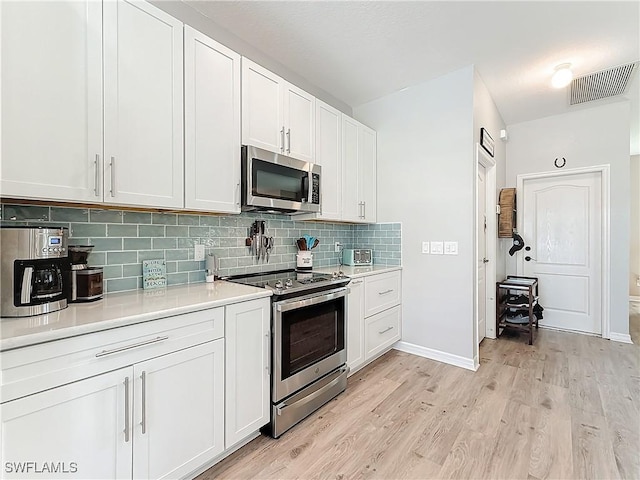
{"x": 551, "y": 453}
{"x": 593, "y": 455}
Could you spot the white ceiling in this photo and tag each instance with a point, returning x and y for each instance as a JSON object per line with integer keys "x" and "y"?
{"x": 358, "y": 51}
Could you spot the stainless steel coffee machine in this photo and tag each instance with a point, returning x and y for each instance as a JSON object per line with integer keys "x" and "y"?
{"x": 34, "y": 265}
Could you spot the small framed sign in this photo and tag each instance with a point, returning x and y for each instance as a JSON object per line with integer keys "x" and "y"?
{"x": 486, "y": 141}
{"x": 154, "y": 274}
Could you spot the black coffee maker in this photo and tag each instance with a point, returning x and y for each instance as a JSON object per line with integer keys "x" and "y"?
{"x": 85, "y": 281}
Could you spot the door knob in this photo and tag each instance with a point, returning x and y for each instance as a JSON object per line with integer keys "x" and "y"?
{"x": 528, "y": 259}
{"x": 485, "y": 260}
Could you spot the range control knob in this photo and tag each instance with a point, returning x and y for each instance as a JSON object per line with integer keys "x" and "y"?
{"x": 288, "y": 283}
{"x": 334, "y": 275}
{"x": 278, "y": 284}
{"x": 341, "y": 274}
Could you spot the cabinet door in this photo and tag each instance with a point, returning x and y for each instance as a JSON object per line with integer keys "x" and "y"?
{"x": 248, "y": 364}
{"x": 367, "y": 171}
{"x": 212, "y": 124}
{"x": 143, "y": 142}
{"x": 52, "y": 100}
{"x": 355, "y": 325}
{"x": 329, "y": 157}
{"x": 262, "y": 114}
{"x": 78, "y": 428}
{"x": 351, "y": 203}
{"x": 178, "y": 411}
{"x": 300, "y": 121}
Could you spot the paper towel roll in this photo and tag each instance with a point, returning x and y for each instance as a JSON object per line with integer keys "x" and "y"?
{"x": 211, "y": 267}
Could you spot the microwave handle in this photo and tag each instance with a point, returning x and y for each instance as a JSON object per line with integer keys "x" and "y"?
{"x": 306, "y": 188}
{"x": 25, "y": 292}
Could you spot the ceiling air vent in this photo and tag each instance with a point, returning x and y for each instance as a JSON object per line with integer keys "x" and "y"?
{"x": 602, "y": 84}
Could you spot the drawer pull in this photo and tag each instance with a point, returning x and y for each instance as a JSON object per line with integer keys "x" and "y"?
{"x": 129, "y": 347}
{"x": 144, "y": 401}
{"x": 385, "y": 292}
{"x": 385, "y": 330}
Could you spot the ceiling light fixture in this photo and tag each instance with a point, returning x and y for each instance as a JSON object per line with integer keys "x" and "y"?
{"x": 562, "y": 75}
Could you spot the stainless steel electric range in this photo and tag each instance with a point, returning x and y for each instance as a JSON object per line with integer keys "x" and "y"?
{"x": 308, "y": 348}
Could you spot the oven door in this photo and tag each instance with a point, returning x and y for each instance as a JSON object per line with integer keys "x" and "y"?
{"x": 308, "y": 340}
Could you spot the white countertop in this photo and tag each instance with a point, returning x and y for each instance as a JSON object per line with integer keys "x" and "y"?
{"x": 119, "y": 309}
{"x": 355, "y": 272}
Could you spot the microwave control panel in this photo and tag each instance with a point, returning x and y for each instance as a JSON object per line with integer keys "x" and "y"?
{"x": 315, "y": 188}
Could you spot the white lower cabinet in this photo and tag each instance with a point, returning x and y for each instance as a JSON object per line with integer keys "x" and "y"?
{"x": 374, "y": 321}
{"x": 178, "y": 411}
{"x": 77, "y": 428}
{"x": 162, "y": 399}
{"x": 355, "y": 324}
{"x": 248, "y": 365}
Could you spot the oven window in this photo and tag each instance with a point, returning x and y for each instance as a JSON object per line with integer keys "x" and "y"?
{"x": 310, "y": 334}
{"x": 277, "y": 181}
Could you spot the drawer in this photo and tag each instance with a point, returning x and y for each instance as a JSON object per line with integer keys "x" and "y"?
{"x": 39, "y": 367}
{"x": 382, "y": 331}
{"x": 381, "y": 292}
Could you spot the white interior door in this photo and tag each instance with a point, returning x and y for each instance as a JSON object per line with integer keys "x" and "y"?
{"x": 481, "y": 192}
{"x": 562, "y": 223}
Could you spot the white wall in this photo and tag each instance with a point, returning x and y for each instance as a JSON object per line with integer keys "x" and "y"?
{"x": 195, "y": 19}
{"x": 426, "y": 181}
{"x": 486, "y": 115}
{"x": 594, "y": 136}
{"x": 634, "y": 256}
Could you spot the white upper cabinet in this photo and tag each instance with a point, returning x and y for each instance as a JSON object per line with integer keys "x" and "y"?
{"x": 212, "y": 124}
{"x": 329, "y": 157}
{"x": 367, "y": 166}
{"x": 143, "y": 70}
{"x": 299, "y": 121}
{"x": 51, "y": 100}
{"x": 359, "y": 172}
{"x": 276, "y": 115}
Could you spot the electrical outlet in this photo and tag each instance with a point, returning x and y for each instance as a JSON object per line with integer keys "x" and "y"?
{"x": 437, "y": 248}
{"x": 638, "y": 281}
{"x": 198, "y": 254}
{"x": 425, "y": 247}
{"x": 337, "y": 247}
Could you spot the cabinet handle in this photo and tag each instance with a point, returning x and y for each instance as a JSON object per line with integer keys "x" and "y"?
{"x": 288, "y": 140}
{"x": 357, "y": 282}
{"x": 113, "y": 176}
{"x": 143, "y": 376}
{"x": 282, "y": 140}
{"x": 238, "y": 194}
{"x": 385, "y": 330}
{"x": 385, "y": 292}
{"x": 126, "y": 409}
{"x": 268, "y": 350}
{"x": 96, "y": 190}
{"x": 360, "y": 210}
{"x": 364, "y": 209}
{"x": 129, "y": 347}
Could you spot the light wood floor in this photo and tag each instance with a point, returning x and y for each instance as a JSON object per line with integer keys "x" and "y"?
{"x": 566, "y": 407}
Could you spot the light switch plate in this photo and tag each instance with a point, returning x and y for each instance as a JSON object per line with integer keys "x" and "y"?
{"x": 437, "y": 248}
{"x": 450, "y": 248}
{"x": 425, "y": 247}
{"x": 198, "y": 254}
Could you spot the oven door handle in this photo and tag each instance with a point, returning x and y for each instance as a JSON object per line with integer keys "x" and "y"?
{"x": 293, "y": 304}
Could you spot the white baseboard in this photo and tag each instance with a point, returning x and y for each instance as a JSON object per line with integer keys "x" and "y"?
{"x": 620, "y": 337}
{"x": 444, "y": 357}
{"x": 634, "y": 299}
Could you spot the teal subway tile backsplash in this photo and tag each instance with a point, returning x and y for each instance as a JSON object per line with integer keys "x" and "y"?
{"x": 123, "y": 239}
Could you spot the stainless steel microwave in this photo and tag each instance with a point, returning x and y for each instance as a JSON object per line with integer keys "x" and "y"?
{"x": 276, "y": 183}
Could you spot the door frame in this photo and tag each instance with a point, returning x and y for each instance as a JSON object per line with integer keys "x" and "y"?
{"x": 605, "y": 266}
{"x": 489, "y": 163}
